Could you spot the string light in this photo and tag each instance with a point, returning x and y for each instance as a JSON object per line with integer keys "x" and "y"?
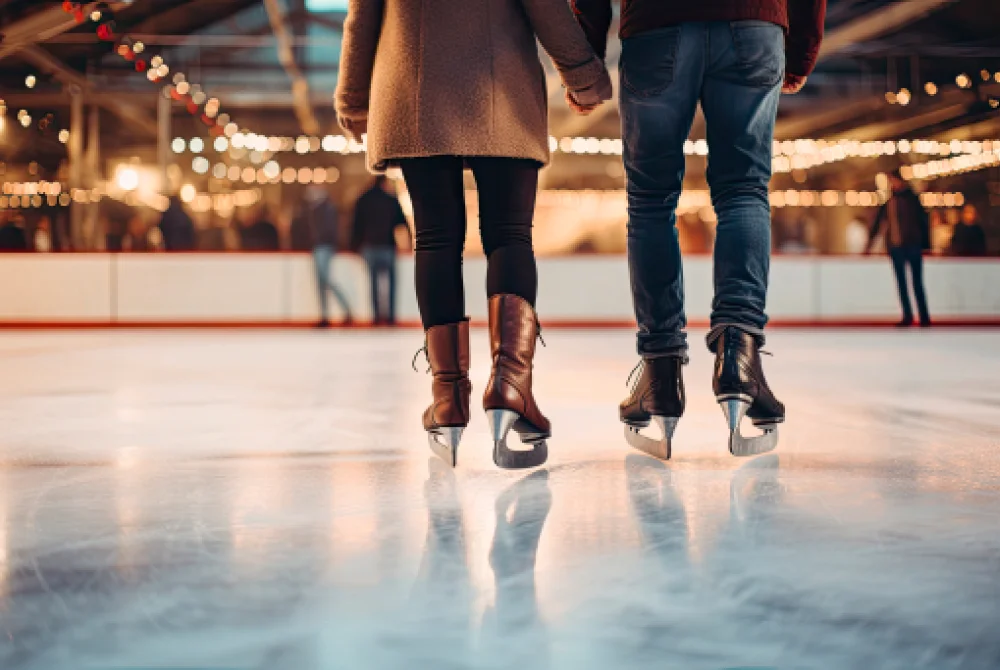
{"x": 931, "y": 88}
{"x": 30, "y": 81}
{"x": 963, "y": 80}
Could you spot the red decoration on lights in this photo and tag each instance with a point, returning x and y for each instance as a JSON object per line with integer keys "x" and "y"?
{"x": 192, "y": 108}
{"x": 106, "y": 31}
{"x": 217, "y": 131}
{"x": 140, "y": 66}
{"x": 68, "y": 7}
{"x": 175, "y": 94}
{"x": 78, "y": 15}
{"x": 129, "y": 55}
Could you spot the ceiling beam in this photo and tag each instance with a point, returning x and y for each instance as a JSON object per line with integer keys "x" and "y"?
{"x": 130, "y": 114}
{"x": 877, "y": 23}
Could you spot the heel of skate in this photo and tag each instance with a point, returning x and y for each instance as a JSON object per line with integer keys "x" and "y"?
{"x": 501, "y": 422}
{"x": 734, "y": 408}
{"x": 444, "y": 443}
{"x": 657, "y": 448}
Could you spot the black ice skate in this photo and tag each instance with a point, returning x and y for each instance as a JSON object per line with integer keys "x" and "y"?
{"x": 741, "y": 390}
{"x": 657, "y": 397}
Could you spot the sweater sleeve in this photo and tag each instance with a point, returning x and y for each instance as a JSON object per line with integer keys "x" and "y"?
{"x": 567, "y": 46}
{"x": 805, "y": 35}
{"x": 595, "y": 17}
{"x": 357, "y": 58}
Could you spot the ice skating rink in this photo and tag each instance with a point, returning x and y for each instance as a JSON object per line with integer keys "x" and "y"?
{"x": 265, "y": 500}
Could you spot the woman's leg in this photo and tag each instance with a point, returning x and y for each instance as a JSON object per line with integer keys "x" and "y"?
{"x": 507, "y": 189}
{"x": 438, "y": 196}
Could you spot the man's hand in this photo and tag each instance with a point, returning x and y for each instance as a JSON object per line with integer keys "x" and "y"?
{"x": 582, "y": 110}
{"x": 793, "y": 83}
{"x": 355, "y": 129}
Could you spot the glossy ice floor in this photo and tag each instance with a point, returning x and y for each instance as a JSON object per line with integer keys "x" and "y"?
{"x": 265, "y": 500}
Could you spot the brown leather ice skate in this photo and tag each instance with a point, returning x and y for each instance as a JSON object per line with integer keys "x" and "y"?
{"x": 508, "y": 401}
{"x": 446, "y": 418}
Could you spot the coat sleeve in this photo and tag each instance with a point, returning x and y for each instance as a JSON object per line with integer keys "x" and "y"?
{"x": 357, "y": 58}
{"x": 594, "y": 17}
{"x": 567, "y": 46}
{"x": 805, "y": 35}
{"x": 876, "y": 225}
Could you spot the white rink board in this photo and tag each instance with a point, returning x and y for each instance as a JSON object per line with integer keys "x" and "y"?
{"x": 281, "y": 288}
{"x": 35, "y": 288}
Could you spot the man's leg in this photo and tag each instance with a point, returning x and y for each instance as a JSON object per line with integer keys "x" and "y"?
{"x": 321, "y": 258}
{"x": 371, "y": 262}
{"x": 917, "y": 269}
{"x": 390, "y": 270}
{"x": 740, "y": 100}
{"x": 345, "y": 306}
{"x": 661, "y": 75}
{"x": 898, "y": 256}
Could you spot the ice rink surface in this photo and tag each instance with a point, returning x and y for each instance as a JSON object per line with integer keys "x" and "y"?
{"x": 265, "y": 500}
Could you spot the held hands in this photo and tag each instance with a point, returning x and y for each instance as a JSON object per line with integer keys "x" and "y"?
{"x": 586, "y": 100}
{"x": 793, "y": 83}
{"x": 355, "y": 128}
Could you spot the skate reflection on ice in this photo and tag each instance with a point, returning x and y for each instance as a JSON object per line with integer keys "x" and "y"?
{"x": 442, "y": 598}
{"x": 514, "y": 634}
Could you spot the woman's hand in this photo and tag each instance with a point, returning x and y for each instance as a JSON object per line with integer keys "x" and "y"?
{"x": 355, "y": 128}
{"x": 793, "y": 83}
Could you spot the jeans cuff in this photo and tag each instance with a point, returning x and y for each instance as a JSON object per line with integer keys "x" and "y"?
{"x": 716, "y": 332}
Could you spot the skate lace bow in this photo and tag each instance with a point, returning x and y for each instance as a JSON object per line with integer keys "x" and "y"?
{"x": 637, "y": 368}
{"x": 413, "y": 363}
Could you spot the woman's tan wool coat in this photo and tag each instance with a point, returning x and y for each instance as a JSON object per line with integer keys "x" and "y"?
{"x": 457, "y": 77}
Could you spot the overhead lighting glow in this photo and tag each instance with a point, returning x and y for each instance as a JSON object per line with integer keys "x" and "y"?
{"x": 127, "y": 179}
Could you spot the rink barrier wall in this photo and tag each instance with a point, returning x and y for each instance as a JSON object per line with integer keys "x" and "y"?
{"x": 201, "y": 289}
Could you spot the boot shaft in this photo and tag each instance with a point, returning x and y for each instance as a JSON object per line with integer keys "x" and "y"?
{"x": 448, "y": 350}
{"x": 513, "y": 330}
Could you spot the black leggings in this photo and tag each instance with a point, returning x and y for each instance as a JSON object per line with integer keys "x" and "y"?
{"x": 507, "y": 188}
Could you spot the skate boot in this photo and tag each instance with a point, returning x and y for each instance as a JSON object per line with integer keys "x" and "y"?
{"x": 741, "y": 390}
{"x": 657, "y": 397}
{"x": 508, "y": 400}
{"x": 445, "y": 420}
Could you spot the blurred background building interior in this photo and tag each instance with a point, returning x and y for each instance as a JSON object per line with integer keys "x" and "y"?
{"x": 108, "y": 112}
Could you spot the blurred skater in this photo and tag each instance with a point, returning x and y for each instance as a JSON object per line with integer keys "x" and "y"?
{"x": 907, "y": 237}
{"x": 176, "y": 227}
{"x": 12, "y": 234}
{"x": 321, "y": 218}
{"x": 734, "y": 59}
{"x": 968, "y": 238}
{"x": 377, "y": 217}
{"x": 474, "y": 97}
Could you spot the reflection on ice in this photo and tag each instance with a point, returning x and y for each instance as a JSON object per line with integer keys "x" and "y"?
{"x": 268, "y": 525}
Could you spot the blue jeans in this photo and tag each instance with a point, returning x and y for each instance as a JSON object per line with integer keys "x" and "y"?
{"x": 382, "y": 263}
{"x": 323, "y": 257}
{"x": 914, "y": 257}
{"x": 735, "y": 71}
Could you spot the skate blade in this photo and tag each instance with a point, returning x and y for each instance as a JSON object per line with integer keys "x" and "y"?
{"x": 734, "y": 409}
{"x": 501, "y": 422}
{"x": 661, "y": 448}
{"x": 444, "y": 443}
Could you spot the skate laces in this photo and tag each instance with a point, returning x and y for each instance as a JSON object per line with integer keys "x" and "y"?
{"x": 538, "y": 324}
{"x": 637, "y": 368}
{"x": 413, "y": 363}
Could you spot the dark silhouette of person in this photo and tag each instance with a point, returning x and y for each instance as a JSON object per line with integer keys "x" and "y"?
{"x": 260, "y": 235}
{"x": 377, "y": 216}
{"x": 907, "y": 237}
{"x": 12, "y": 235}
{"x": 176, "y": 227}
{"x": 969, "y": 238}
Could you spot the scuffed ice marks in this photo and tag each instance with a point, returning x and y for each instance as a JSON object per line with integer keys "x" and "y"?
{"x": 265, "y": 501}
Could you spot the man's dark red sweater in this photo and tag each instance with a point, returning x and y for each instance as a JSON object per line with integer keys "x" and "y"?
{"x": 801, "y": 19}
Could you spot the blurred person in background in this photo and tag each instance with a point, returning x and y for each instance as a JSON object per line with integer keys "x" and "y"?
{"x": 12, "y": 234}
{"x": 176, "y": 227}
{"x": 137, "y": 235}
{"x": 968, "y": 238}
{"x": 452, "y": 84}
{"x": 941, "y": 232}
{"x": 734, "y": 58}
{"x": 258, "y": 233}
{"x": 299, "y": 234}
{"x": 322, "y": 220}
{"x": 377, "y": 217}
{"x": 41, "y": 241}
{"x": 907, "y": 236}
